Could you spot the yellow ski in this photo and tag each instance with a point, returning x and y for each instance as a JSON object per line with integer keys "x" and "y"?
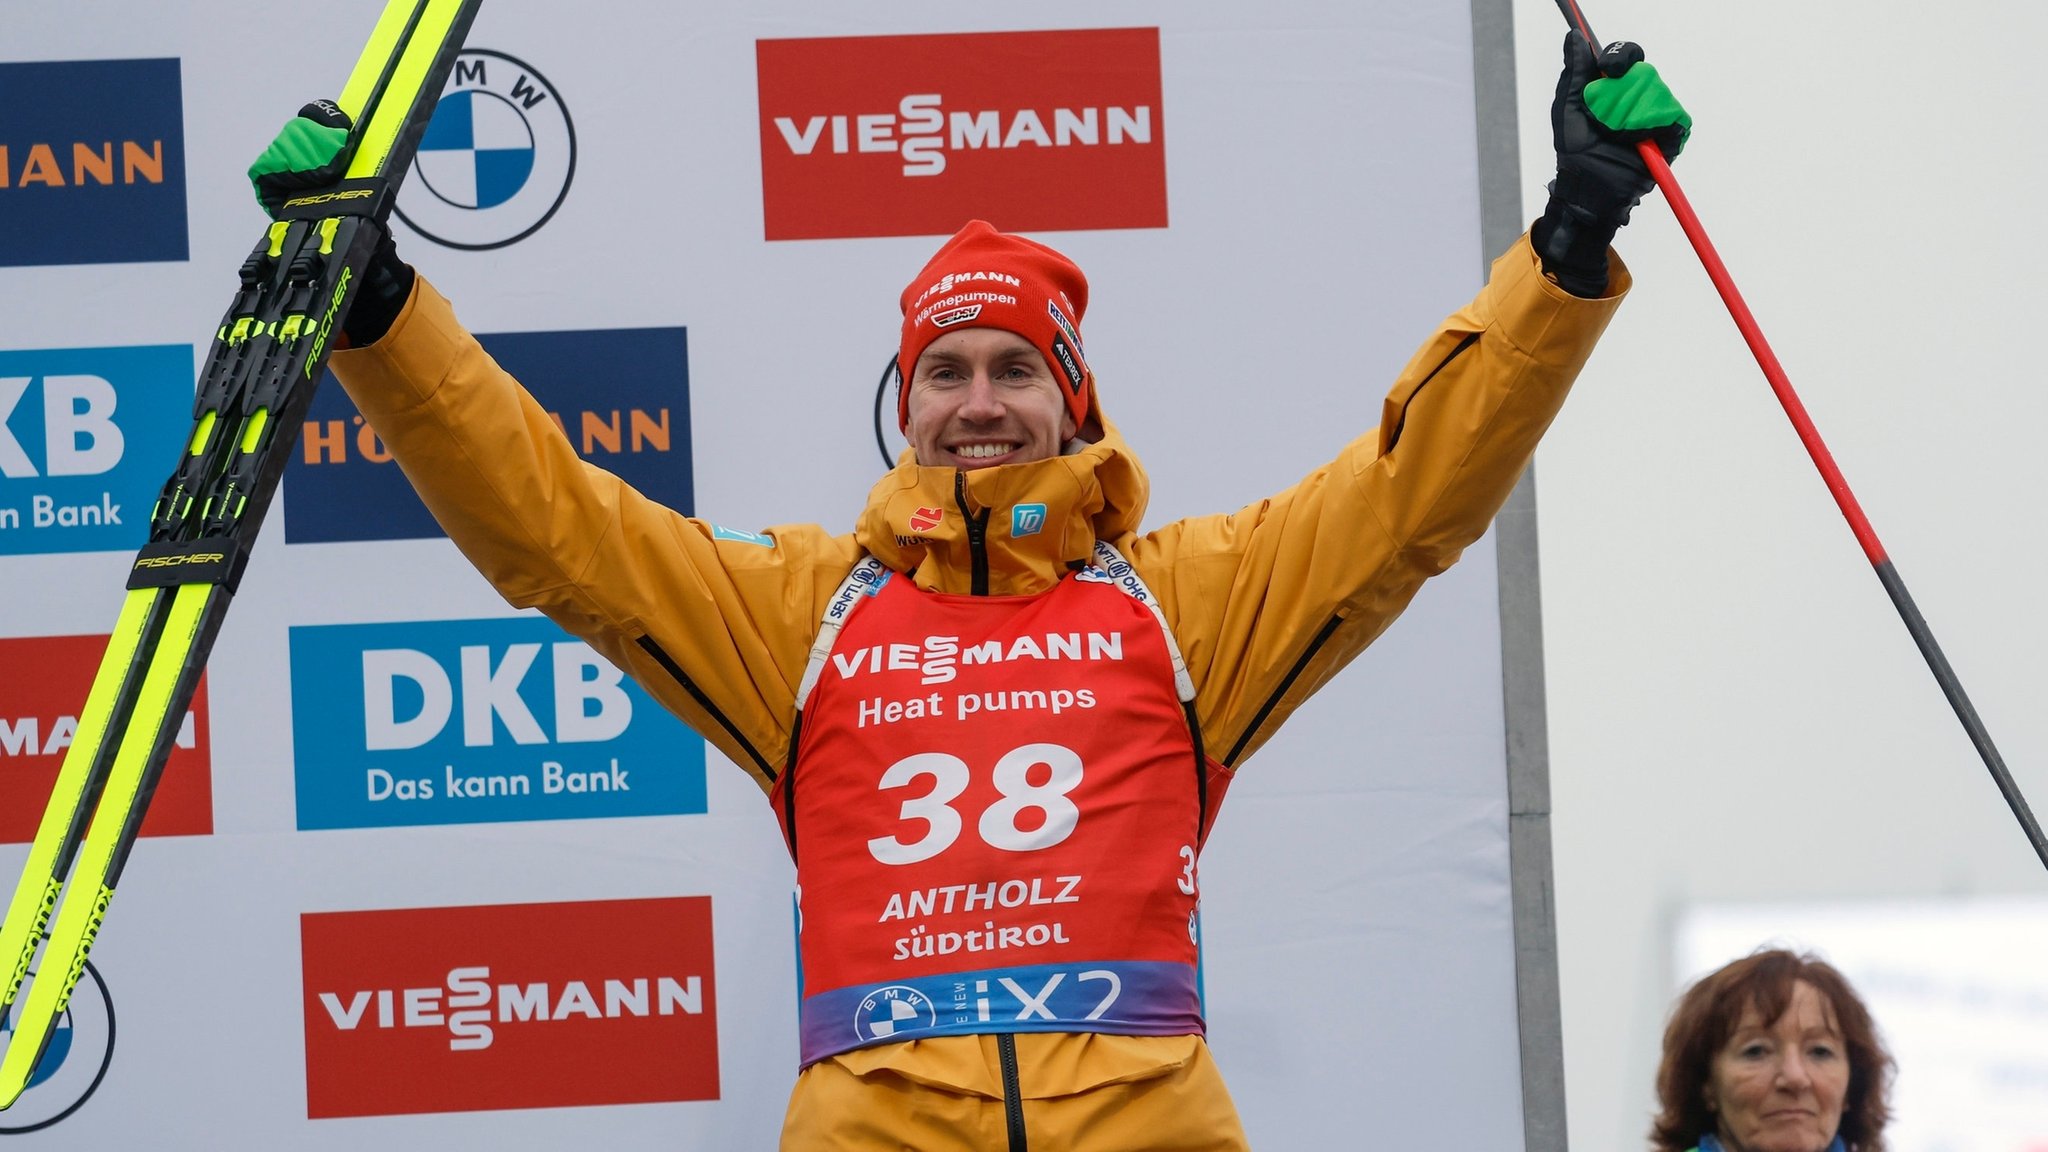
{"x": 253, "y": 391}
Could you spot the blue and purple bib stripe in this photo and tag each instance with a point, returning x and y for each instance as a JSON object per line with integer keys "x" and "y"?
{"x": 1131, "y": 998}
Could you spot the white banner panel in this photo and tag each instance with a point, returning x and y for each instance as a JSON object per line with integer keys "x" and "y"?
{"x": 658, "y": 217}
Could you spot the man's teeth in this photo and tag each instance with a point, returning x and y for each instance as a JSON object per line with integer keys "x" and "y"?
{"x": 982, "y": 451}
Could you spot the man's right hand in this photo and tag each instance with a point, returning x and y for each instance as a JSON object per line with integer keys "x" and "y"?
{"x": 312, "y": 152}
{"x": 309, "y": 152}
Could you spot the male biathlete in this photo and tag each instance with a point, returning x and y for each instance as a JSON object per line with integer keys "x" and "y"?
{"x": 995, "y": 721}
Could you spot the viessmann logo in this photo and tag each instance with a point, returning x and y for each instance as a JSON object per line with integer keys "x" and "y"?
{"x": 509, "y": 1006}
{"x": 43, "y": 684}
{"x": 915, "y": 135}
{"x": 939, "y": 658}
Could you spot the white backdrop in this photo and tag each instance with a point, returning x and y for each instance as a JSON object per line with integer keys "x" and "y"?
{"x": 1322, "y": 214}
{"x": 1736, "y": 714}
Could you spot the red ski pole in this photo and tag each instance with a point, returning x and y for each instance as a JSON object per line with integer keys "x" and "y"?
{"x": 1825, "y": 461}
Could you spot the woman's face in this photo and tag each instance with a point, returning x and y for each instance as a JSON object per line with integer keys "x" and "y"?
{"x": 1779, "y": 1086}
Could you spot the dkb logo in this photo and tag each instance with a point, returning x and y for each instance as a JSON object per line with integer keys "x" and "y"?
{"x": 87, "y": 436}
{"x": 460, "y": 722}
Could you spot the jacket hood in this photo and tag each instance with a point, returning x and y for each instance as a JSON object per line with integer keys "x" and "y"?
{"x": 1029, "y": 524}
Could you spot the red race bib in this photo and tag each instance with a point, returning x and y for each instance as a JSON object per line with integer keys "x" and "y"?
{"x": 996, "y": 814}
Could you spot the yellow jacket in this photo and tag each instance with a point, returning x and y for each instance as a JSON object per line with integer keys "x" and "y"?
{"x": 1267, "y": 603}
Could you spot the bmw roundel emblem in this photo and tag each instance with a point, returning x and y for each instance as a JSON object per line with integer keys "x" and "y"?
{"x": 495, "y": 161}
{"x": 73, "y": 1065}
{"x": 890, "y": 1012}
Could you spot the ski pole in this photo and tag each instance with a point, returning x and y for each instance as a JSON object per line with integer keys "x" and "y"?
{"x": 1909, "y": 612}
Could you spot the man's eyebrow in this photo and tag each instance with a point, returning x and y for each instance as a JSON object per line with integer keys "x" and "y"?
{"x": 938, "y": 356}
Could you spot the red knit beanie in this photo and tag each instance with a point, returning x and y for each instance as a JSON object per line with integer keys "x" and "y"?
{"x": 983, "y": 278}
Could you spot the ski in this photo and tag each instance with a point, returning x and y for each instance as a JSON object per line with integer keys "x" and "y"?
{"x": 265, "y": 360}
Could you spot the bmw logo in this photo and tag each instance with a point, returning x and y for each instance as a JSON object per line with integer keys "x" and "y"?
{"x": 892, "y": 1011}
{"x": 496, "y": 159}
{"x": 72, "y": 1066}
{"x": 888, "y": 437}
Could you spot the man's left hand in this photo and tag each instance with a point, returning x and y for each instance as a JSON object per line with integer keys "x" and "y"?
{"x": 1632, "y": 102}
{"x": 1605, "y": 105}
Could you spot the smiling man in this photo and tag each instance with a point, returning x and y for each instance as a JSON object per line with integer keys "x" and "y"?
{"x": 996, "y": 719}
{"x": 981, "y": 390}
{"x": 983, "y": 397}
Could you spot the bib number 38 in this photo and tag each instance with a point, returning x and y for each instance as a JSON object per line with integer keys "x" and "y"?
{"x": 1000, "y": 824}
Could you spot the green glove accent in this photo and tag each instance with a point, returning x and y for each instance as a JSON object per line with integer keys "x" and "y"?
{"x": 1637, "y": 104}
{"x": 306, "y": 154}
{"x": 302, "y": 146}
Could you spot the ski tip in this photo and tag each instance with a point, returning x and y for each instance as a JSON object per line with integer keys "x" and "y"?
{"x": 12, "y": 1083}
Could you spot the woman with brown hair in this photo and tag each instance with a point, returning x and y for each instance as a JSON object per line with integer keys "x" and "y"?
{"x": 1772, "y": 1053}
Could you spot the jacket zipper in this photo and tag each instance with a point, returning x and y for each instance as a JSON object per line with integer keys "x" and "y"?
{"x": 1201, "y": 774}
{"x": 648, "y": 645}
{"x": 1013, "y": 1102}
{"x": 796, "y": 729}
{"x": 977, "y": 535}
{"x": 1273, "y": 701}
{"x": 1401, "y": 422}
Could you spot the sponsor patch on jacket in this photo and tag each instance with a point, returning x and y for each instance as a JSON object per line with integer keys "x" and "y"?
{"x": 721, "y": 532}
{"x": 1026, "y": 520}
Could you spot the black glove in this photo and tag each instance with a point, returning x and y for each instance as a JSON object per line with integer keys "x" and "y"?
{"x": 1600, "y": 174}
{"x": 311, "y": 152}
{"x": 385, "y": 287}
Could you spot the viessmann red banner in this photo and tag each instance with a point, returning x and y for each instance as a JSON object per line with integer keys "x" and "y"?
{"x": 916, "y": 135}
{"x": 509, "y": 1006}
{"x": 43, "y": 685}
